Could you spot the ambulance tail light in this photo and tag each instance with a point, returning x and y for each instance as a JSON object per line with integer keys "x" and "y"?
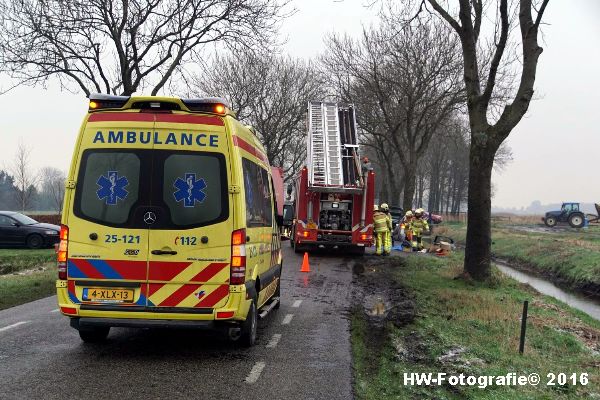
{"x": 62, "y": 253}
{"x": 238, "y": 257}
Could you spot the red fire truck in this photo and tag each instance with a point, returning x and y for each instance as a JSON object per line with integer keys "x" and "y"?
{"x": 334, "y": 192}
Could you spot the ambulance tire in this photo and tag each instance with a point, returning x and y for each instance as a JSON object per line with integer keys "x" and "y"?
{"x": 94, "y": 335}
{"x": 278, "y": 290}
{"x": 250, "y": 326}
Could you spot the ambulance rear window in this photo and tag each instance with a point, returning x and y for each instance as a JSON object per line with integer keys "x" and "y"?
{"x": 110, "y": 186}
{"x": 183, "y": 189}
{"x": 193, "y": 188}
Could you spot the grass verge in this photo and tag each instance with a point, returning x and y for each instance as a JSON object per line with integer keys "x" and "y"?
{"x": 26, "y": 287}
{"x": 471, "y": 328}
{"x": 14, "y": 260}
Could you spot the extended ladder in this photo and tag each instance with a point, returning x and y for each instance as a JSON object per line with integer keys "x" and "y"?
{"x": 324, "y": 147}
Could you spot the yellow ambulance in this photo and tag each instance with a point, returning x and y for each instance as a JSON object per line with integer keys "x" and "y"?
{"x": 169, "y": 220}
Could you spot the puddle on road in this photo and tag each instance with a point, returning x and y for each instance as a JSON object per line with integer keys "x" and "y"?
{"x": 588, "y": 306}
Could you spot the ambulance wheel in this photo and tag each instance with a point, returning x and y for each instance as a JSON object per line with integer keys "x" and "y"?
{"x": 34, "y": 241}
{"x": 94, "y": 335}
{"x": 249, "y": 327}
{"x": 278, "y": 290}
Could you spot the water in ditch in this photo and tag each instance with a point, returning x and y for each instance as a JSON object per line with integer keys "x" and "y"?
{"x": 578, "y": 301}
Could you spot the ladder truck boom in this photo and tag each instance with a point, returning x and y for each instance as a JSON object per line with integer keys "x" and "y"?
{"x": 334, "y": 196}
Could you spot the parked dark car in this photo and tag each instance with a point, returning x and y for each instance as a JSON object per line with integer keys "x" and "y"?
{"x": 19, "y": 230}
{"x": 397, "y": 214}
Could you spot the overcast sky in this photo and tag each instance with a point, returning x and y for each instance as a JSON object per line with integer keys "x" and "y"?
{"x": 556, "y": 147}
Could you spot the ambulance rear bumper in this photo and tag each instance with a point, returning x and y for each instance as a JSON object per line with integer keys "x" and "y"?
{"x": 88, "y": 322}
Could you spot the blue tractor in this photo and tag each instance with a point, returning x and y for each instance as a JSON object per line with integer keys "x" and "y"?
{"x": 569, "y": 212}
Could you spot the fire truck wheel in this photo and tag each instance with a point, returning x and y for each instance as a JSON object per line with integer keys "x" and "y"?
{"x": 358, "y": 251}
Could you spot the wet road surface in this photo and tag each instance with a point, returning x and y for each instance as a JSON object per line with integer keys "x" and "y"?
{"x": 303, "y": 350}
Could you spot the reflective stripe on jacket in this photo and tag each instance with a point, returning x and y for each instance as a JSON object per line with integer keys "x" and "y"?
{"x": 419, "y": 225}
{"x": 380, "y": 222}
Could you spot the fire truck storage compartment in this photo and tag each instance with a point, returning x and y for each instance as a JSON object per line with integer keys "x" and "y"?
{"x": 336, "y": 215}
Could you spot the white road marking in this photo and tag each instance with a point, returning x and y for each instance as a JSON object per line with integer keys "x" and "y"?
{"x": 55, "y": 310}
{"x": 287, "y": 319}
{"x": 255, "y": 372}
{"x": 274, "y": 340}
{"x": 297, "y": 303}
{"x": 13, "y": 326}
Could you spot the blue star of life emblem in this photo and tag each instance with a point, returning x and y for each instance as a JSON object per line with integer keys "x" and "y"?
{"x": 189, "y": 190}
{"x": 112, "y": 188}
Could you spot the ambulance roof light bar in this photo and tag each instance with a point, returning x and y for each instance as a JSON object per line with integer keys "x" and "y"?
{"x": 216, "y": 105}
{"x": 101, "y": 100}
{"x": 213, "y": 105}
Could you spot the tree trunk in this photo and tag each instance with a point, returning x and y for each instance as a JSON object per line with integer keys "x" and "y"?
{"x": 410, "y": 171}
{"x": 432, "y": 191}
{"x": 479, "y": 235}
{"x": 421, "y": 190}
{"x": 383, "y": 193}
{"x": 392, "y": 187}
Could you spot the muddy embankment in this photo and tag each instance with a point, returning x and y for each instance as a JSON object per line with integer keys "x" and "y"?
{"x": 380, "y": 300}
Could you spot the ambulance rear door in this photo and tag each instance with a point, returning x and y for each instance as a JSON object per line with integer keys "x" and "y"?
{"x": 108, "y": 237}
{"x": 190, "y": 241}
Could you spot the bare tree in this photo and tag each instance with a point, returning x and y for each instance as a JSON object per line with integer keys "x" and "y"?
{"x": 270, "y": 93}
{"x": 24, "y": 178}
{"x": 123, "y": 46}
{"x": 53, "y": 186}
{"x": 483, "y": 79}
{"x": 406, "y": 83}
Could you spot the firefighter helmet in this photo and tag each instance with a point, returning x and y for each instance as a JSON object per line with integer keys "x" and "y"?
{"x": 375, "y": 207}
{"x": 408, "y": 213}
{"x": 384, "y": 207}
{"x": 419, "y": 212}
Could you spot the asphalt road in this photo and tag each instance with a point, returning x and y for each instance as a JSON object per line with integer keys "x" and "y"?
{"x": 303, "y": 350}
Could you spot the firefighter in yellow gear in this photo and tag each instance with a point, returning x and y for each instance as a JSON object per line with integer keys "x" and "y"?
{"x": 379, "y": 226}
{"x": 387, "y": 232}
{"x": 418, "y": 225}
{"x": 405, "y": 232}
{"x": 375, "y": 211}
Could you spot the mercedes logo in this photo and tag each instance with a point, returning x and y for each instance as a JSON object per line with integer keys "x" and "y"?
{"x": 149, "y": 218}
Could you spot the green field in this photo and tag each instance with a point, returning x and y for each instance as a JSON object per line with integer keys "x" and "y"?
{"x": 26, "y": 275}
{"x": 15, "y": 260}
{"x": 569, "y": 256}
{"x": 481, "y": 324}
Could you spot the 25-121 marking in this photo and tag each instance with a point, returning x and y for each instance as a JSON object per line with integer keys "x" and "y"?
{"x": 123, "y": 239}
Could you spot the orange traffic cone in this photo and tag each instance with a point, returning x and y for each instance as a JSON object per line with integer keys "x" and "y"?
{"x": 305, "y": 264}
